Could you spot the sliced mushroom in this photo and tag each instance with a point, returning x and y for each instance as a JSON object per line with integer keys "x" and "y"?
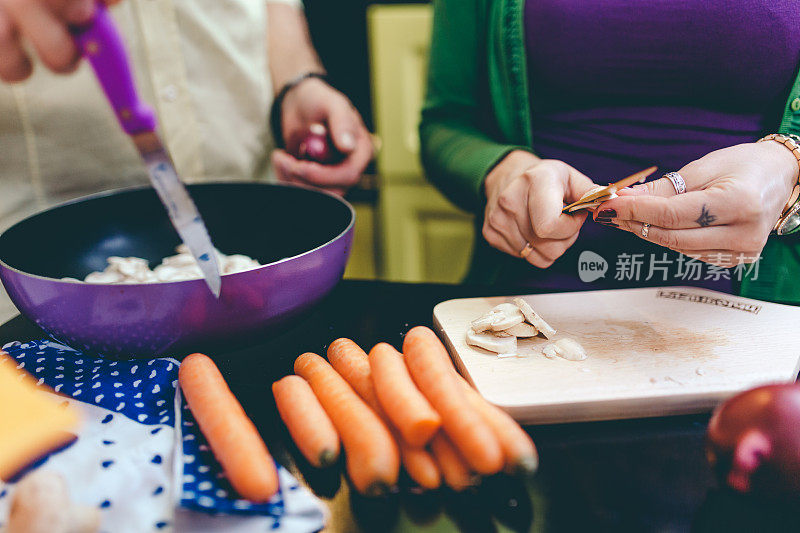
{"x": 570, "y": 349}
{"x": 130, "y": 267}
{"x": 522, "y": 330}
{"x": 182, "y": 266}
{"x": 510, "y": 316}
{"x": 236, "y": 263}
{"x": 565, "y": 348}
{"x": 104, "y": 276}
{"x": 591, "y": 191}
{"x": 491, "y": 342}
{"x": 499, "y": 318}
{"x": 549, "y": 351}
{"x": 485, "y": 322}
{"x": 179, "y": 261}
{"x": 538, "y": 322}
{"x": 506, "y": 308}
{"x": 506, "y": 322}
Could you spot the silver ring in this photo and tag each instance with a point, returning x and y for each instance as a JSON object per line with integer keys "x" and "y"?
{"x": 645, "y": 229}
{"x": 677, "y": 182}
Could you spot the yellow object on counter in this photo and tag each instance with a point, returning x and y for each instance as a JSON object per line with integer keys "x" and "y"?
{"x": 31, "y": 421}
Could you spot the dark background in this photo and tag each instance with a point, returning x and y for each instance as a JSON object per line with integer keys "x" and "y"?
{"x": 339, "y": 31}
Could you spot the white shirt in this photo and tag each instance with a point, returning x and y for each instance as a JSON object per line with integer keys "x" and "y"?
{"x": 202, "y": 64}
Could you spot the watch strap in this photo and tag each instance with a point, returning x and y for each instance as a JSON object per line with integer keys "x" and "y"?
{"x": 788, "y": 222}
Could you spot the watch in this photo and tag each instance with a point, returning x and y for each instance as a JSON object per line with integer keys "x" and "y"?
{"x": 789, "y": 221}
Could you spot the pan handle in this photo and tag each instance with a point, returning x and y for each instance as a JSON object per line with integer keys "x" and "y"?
{"x": 101, "y": 43}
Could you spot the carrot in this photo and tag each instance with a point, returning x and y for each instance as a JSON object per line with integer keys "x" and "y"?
{"x": 432, "y": 371}
{"x": 402, "y": 402}
{"x": 520, "y": 452}
{"x": 308, "y": 423}
{"x": 373, "y": 460}
{"x": 421, "y": 466}
{"x": 232, "y": 436}
{"x": 352, "y": 363}
{"x": 456, "y": 473}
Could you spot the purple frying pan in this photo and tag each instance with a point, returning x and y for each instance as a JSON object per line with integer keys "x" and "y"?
{"x": 301, "y": 236}
{"x": 102, "y": 45}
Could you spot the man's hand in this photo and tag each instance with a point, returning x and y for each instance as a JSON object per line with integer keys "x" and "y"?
{"x": 312, "y": 101}
{"x": 45, "y": 24}
{"x": 315, "y": 102}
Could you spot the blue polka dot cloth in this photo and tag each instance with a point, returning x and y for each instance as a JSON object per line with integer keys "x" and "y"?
{"x": 139, "y": 455}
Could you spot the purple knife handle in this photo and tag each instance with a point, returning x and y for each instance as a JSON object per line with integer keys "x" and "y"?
{"x": 101, "y": 44}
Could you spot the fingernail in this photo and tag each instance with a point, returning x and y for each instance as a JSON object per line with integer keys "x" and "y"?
{"x": 607, "y": 213}
{"x": 348, "y": 141}
{"x": 607, "y": 222}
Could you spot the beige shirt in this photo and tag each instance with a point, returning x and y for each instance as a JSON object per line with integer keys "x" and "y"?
{"x": 202, "y": 64}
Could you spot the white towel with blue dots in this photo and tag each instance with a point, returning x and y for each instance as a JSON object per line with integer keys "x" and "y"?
{"x": 140, "y": 457}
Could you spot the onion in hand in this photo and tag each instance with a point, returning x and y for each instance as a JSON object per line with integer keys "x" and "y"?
{"x": 754, "y": 441}
{"x": 318, "y": 146}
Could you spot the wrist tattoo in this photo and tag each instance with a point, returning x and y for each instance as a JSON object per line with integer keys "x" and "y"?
{"x": 705, "y": 218}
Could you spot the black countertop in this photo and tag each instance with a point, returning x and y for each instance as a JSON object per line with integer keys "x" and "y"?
{"x": 646, "y": 475}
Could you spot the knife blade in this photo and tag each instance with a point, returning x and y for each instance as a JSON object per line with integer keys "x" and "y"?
{"x": 102, "y": 45}
{"x": 608, "y": 190}
{"x": 182, "y": 211}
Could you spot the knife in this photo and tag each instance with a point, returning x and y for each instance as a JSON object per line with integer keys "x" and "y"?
{"x": 102, "y": 45}
{"x": 609, "y": 189}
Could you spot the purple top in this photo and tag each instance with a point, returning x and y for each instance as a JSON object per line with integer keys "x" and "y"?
{"x": 618, "y": 86}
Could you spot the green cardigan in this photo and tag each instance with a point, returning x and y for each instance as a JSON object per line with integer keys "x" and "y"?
{"x": 477, "y": 110}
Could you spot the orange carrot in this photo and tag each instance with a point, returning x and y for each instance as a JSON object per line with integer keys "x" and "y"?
{"x": 520, "y": 452}
{"x": 401, "y": 400}
{"x": 373, "y": 460}
{"x": 308, "y": 423}
{"x": 456, "y": 473}
{"x": 420, "y": 466}
{"x": 232, "y": 436}
{"x": 352, "y": 363}
{"x": 432, "y": 371}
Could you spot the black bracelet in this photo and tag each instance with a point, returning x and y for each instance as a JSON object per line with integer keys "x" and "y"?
{"x": 275, "y": 114}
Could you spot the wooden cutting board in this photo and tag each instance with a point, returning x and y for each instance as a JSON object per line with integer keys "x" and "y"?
{"x": 652, "y": 352}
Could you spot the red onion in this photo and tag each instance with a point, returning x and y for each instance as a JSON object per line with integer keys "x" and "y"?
{"x": 754, "y": 440}
{"x": 318, "y": 146}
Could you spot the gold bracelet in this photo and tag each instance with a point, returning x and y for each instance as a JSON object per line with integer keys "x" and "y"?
{"x": 792, "y": 143}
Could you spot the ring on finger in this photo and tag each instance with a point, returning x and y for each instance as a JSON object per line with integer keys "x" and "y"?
{"x": 645, "y": 230}
{"x": 677, "y": 182}
{"x": 525, "y": 252}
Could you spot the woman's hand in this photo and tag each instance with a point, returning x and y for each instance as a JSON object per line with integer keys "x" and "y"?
{"x": 314, "y": 101}
{"x": 525, "y": 196}
{"x": 734, "y": 197}
{"x": 45, "y": 24}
